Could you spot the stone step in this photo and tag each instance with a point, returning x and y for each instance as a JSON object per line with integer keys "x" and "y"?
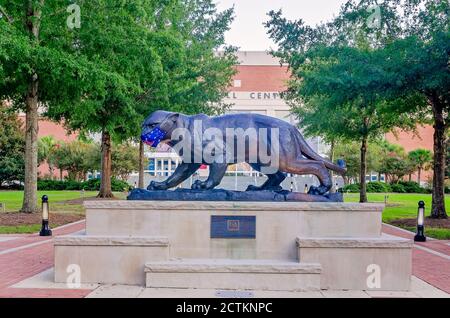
{"x": 382, "y": 263}
{"x": 107, "y": 259}
{"x": 233, "y": 274}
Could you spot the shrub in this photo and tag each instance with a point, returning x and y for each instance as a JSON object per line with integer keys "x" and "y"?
{"x": 73, "y": 185}
{"x": 398, "y": 188}
{"x": 90, "y": 185}
{"x": 51, "y": 185}
{"x": 378, "y": 187}
{"x": 119, "y": 185}
{"x": 116, "y": 185}
{"x": 352, "y": 188}
{"x": 412, "y": 187}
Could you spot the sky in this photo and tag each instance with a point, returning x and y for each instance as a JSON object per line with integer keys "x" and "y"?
{"x": 247, "y": 31}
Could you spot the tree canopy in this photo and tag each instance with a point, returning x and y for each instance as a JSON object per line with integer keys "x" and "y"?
{"x": 103, "y": 65}
{"x": 11, "y": 146}
{"x": 376, "y": 66}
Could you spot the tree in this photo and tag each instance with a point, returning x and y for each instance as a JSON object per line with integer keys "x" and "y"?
{"x": 92, "y": 159}
{"x": 12, "y": 146}
{"x": 331, "y": 95}
{"x": 39, "y": 69}
{"x": 421, "y": 160}
{"x": 76, "y": 158}
{"x": 411, "y": 40}
{"x": 395, "y": 168}
{"x": 447, "y": 173}
{"x": 46, "y": 147}
{"x": 415, "y": 37}
{"x": 141, "y": 164}
{"x": 125, "y": 160}
{"x": 159, "y": 54}
{"x": 349, "y": 151}
{"x": 199, "y": 83}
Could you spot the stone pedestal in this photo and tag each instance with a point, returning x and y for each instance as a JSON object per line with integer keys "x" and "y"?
{"x": 296, "y": 246}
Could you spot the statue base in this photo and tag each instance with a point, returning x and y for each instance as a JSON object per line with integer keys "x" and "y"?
{"x": 288, "y": 246}
{"x": 228, "y": 195}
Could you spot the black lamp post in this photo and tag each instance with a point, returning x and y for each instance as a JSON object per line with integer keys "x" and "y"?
{"x": 45, "y": 230}
{"x": 420, "y": 237}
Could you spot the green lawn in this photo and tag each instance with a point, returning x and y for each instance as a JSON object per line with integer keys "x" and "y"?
{"x": 13, "y": 199}
{"x": 404, "y": 205}
{"x": 13, "y": 202}
{"x": 20, "y": 229}
{"x": 399, "y": 205}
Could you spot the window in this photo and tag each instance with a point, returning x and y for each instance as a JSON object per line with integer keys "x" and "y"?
{"x": 237, "y": 83}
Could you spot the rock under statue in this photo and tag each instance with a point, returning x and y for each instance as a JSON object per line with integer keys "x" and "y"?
{"x": 232, "y": 139}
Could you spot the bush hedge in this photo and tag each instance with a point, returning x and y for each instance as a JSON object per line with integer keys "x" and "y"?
{"x": 413, "y": 187}
{"x": 90, "y": 185}
{"x": 381, "y": 187}
{"x": 378, "y": 187}
{"x": 398, "y": 188}
{"x": 352, "y": 188}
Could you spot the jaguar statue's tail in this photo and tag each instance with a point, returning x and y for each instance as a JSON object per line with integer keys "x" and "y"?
{"x": 309, "y": 153}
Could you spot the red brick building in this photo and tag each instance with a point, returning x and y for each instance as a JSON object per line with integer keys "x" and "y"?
{"x": 410, "y": 141}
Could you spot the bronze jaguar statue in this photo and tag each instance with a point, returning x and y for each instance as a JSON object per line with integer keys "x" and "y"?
{"x": 294, "y": 154}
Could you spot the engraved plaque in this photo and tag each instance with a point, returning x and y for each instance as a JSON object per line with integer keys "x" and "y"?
{"x": 233, "y": 226}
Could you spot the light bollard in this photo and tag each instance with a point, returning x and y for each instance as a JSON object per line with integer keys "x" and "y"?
{"x": 45, "y": 230}
{"x": 420, "y": 236}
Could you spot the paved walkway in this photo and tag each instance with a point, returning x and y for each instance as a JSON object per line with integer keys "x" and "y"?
{"x": 23, "y": 257}
{"x": 28, "y": 255}
{"x": 431, "y": 259}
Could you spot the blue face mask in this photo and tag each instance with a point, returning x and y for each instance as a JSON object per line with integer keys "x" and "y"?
{"x": 154, "y": 137}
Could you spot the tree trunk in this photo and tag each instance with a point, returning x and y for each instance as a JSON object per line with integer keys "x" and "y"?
{"x": 331, "y": 157}
{"x": 332, "y": 147}
{"x": 50, "y": 170}
{"x": 362, "y": 172}
{"x": 31, "y": 153}
{"x": 29, "y": 204}
{"x": 105, "y": 184}
{"x": 438, "y": 196}
{"x": 141, "y": 165}
{"x": 418, "y": 175}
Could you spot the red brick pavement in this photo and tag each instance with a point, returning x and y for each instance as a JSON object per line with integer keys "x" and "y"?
{"x": 433, "y": 269}
{"x": 43, "y": 293}
{"x": 22, "y": 240}
{"x": 20, "y": 264}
